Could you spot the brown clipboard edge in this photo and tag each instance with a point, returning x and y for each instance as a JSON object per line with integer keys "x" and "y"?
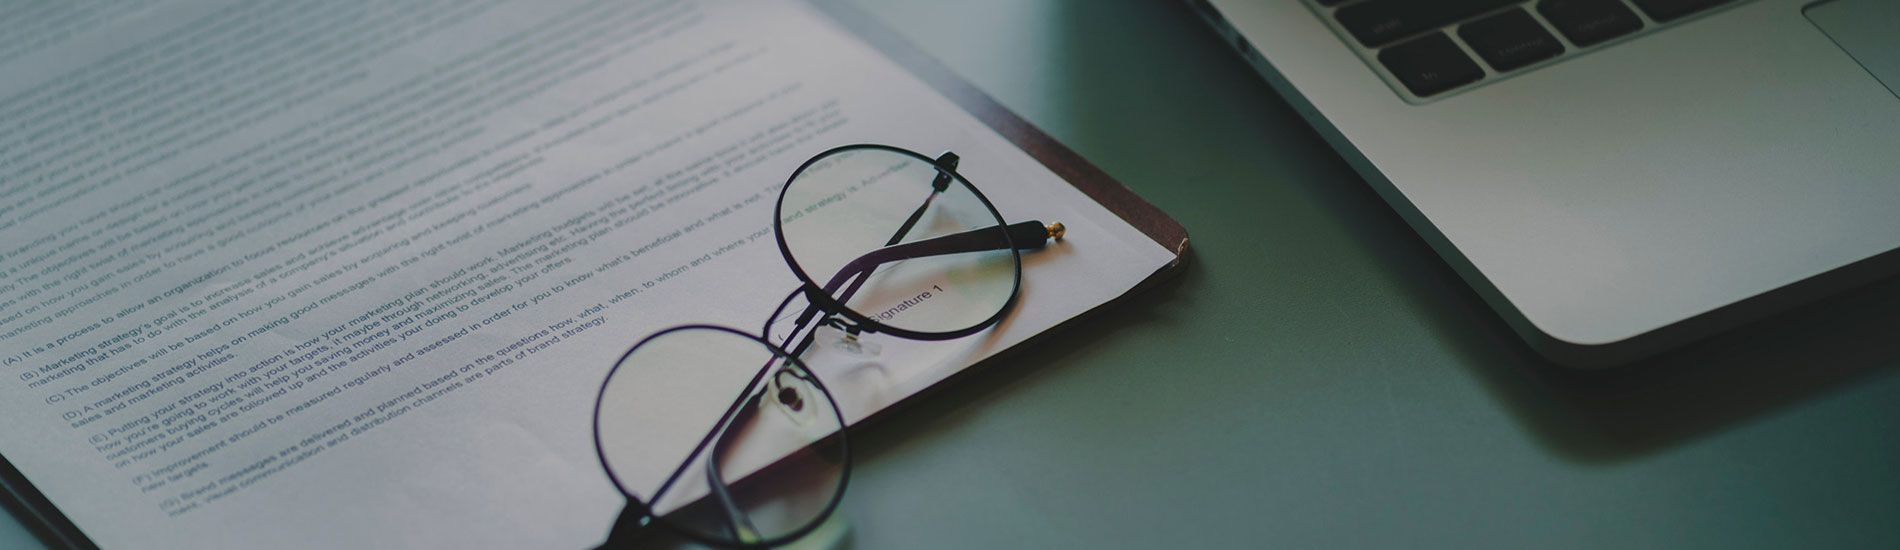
{"x": 54, "y": 529}
{"x": 39, "y": 515}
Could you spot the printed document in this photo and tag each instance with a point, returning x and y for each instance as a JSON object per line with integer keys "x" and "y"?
{"x": 340, "y": 274}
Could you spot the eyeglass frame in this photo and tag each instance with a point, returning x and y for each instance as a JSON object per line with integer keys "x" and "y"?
{"x": 823, "y": 307}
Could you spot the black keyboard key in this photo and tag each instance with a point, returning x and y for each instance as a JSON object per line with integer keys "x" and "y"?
{"x": 1510, "y": 40}
{"x": 1587, "y": 22}
{"x": 1379, "y": 22}
{"x": 1430, "y": 64}
{"x": 1665, "y": 10}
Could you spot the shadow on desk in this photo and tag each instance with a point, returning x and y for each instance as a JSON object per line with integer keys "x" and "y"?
{"x": 1702, "y": 388}
{"x": 1624, "y": 413}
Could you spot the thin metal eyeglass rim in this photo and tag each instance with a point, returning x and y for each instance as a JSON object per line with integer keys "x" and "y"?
{"x": 646, "y": 510}
{"x": 815, "y": 293}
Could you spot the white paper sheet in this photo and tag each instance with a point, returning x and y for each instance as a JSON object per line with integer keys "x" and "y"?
{"x": 291, "y": 274}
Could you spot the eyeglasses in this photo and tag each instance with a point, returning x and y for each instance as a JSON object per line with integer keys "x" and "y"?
{"x": 729, "y": 439}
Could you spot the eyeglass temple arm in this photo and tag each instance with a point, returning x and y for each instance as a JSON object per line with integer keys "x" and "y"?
{"x": 630, "y": 527}
{"x": 737, "y": 521}
{"x": 945, "y": 165}
{"x": 1029, "y": 235}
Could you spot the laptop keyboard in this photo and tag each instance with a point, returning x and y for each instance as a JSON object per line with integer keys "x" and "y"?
{"x": 1428, "y": 46}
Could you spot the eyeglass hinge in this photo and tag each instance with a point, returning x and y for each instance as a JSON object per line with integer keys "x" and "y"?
{"x": 946, "y": 163}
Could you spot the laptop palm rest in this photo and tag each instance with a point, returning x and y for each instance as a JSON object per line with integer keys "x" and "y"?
{"x": 1865, "y": 28}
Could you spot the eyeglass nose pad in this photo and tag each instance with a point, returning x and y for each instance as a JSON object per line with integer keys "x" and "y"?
{"x": 792, "y": 397}
{"x": 836, "y": 338}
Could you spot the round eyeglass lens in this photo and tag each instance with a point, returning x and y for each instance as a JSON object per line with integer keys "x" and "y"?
{"x": 898, "y": 241}
{"x": 722, "y": 436}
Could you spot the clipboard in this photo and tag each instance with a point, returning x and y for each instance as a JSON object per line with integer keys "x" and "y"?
{"x": 26, "y": 503}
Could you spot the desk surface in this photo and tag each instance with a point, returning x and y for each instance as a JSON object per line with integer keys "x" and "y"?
{"x": 1318, "y": 378}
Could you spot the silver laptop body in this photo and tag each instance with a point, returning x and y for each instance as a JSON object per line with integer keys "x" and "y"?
{"x": 1622, "y": 197}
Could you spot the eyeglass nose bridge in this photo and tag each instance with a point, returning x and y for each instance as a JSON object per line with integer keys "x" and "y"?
{"x": 826, "y": 311}
{"x": 834, "y": 330}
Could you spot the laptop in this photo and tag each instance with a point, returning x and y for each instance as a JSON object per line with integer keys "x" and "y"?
{"x": 1615, "y": 177}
